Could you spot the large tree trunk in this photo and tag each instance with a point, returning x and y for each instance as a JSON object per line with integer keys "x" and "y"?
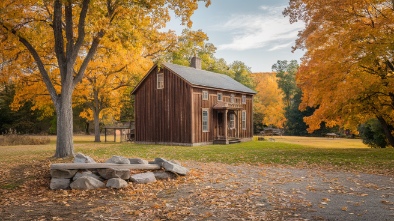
{"x": 387, "y": 130}
{"x": 87, "y": 132}
{"x": 96, "y": 126}
{"x": 96, "y": 114}
{"x": 64, "y": 141}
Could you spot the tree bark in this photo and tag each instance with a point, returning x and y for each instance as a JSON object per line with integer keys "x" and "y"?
{"x": 387, "y": 130}
{"x": 96, "y": 115}
{"x": 96, "y": 126}
{"x": 87, "y": 132}
{"x": 64, "y": 141}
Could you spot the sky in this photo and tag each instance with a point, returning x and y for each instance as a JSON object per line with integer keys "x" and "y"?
{"x": 252, "y": 31}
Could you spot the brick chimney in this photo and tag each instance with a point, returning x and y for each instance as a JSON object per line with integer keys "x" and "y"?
{"x": 195, "y": 63}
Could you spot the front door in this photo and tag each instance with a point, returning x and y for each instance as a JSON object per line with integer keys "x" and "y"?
{"x": 220, "y": 131}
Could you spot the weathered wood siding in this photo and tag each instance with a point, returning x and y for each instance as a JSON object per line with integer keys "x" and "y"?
{"x": 199, "y": 104}
{"x": 163, "y": 115}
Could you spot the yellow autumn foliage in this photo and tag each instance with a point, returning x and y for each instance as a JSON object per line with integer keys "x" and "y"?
{"x": 269, "y": 99}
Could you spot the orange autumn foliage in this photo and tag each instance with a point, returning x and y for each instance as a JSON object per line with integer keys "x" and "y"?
{"x": 50, "y": 45}
{"x": 347, "y": 70}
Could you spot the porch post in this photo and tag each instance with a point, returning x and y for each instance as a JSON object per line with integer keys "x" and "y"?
{"x": 225, "y": 125}
{"x": 237, "y": 123}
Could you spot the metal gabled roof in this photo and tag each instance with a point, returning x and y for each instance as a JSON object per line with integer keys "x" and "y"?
{"x": 198, "y": 77}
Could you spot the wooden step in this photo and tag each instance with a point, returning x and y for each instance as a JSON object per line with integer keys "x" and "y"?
{"x": 224, "y": 141}
{"x": 234, "y": 141}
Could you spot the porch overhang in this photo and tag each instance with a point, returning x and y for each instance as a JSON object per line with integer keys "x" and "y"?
{"x": 220, "y": 105}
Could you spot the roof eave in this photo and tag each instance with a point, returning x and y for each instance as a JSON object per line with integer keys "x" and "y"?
{"x": 143, "y": 79}
{"x": 222, "y": 89}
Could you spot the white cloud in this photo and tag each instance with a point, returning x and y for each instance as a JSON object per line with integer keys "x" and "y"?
{"x": 268, "y": 29}
{"x": 278, "y": 47}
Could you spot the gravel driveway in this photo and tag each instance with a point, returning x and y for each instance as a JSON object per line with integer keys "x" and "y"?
{"x": 302, "y": 194}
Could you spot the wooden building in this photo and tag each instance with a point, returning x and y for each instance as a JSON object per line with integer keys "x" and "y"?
{"x": 180, "y": 105}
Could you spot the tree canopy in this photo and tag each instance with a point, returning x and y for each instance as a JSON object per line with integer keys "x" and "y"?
{"x": 55, "y": 41}
{"x": 346, "y": 72}
{"x": 268, "y": 102}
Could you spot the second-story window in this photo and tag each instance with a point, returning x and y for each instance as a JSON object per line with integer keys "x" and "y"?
{"x": 160, "y": 80}
{"x": 243, "y": 99}
{"x": 205, "y": 95}
{"x": 220, "y": 97}
{"x": 232, "y": 98}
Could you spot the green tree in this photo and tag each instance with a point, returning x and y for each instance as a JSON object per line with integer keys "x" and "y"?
{"x": 286, "y": 75}
{"x": 24, "y": 120}
{"x": 372, "y": 134}
{"x": 242, "y": 73}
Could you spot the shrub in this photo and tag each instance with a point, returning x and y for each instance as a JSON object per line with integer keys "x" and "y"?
{"x": 372, "y": 134}
{"x": 15, "y": 139}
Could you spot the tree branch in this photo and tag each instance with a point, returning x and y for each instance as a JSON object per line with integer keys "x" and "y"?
{"x": 58, "y": 34}
{"x": 69, "y": 29}
{"x": 81, "y": 29}
{"x": 40, "y": 65}
{"x": 89, "y": 56}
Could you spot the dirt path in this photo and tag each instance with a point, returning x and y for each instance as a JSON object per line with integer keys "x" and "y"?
{"x": 212, "y": 191}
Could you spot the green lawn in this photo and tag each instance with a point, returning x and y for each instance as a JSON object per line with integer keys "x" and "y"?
{"x": 293, "y": 151}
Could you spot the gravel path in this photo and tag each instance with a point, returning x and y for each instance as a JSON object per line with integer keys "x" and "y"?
{"x": 309, "y": 194}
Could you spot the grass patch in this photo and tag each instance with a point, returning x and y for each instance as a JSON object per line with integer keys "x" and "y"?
{"x": 293, "y": 151}
{"x": 15, "y": 139}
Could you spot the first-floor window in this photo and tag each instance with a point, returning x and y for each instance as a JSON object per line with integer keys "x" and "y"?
{"x": 243, "y": 120}
{"x": 205, "y": 120}
{"x": 232, "y": 121}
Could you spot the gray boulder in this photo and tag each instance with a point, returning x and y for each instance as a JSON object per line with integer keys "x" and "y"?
{"x": 63, "y": 174}
{"x": 175, "y": 168}
{"x": 86, "y": 183}
{"x": 118, "y": 160}
{"x": 116, "y": 183}
{"x": 81, "y": 158}
{"x": 164, "y": 175}
{"x": 159, "y": 161}
{"x": 176, "y": 162}
{"x": 86, "y": 173}
{"x": 110, "y": 173}
{"x": 147, "y": 177}
{"x": 137, "y": 161}
{"x": 59, "y": 184}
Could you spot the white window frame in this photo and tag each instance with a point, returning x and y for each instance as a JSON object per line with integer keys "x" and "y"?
{"x": 205, "y": 120}
{"x": 232, "y": 121}
{"x": 232, "y": 98}
{"x": 160, "y": 80}
{"x": 243, "y": 120}
{"x": 205, "y": 95}
{"x": 220, "y": 97}
{"x": 243, "y": 99}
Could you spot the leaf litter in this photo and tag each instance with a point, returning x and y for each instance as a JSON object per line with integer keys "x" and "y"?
{"x": 211, "y": 191}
